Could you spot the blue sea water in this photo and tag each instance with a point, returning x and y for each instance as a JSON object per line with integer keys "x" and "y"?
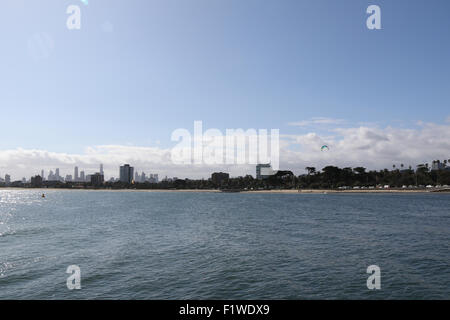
{"x": 173, "y": 245}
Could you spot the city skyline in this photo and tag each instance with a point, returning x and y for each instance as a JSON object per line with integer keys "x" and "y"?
{"x": 128, "y": 174}
{"x": 82, "y": 176}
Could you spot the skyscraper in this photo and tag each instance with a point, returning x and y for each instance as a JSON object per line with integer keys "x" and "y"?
{"x": 101, "y": 169}
{"x": 97, "y": 179}
{"x": 126, "y": 173}
{"x": 75, "y": 174}
{"x": 82, "y": 178}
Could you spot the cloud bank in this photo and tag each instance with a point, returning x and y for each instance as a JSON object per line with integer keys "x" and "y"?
{"x": 371, "y": 147}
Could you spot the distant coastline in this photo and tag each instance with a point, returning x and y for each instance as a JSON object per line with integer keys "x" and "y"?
{"x": 274, "y": 191}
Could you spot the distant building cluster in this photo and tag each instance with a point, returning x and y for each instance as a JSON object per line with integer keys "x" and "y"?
{"x": 142, "y": 178}
{"x": 264, "y": 174}
{"x": 126, "y": 175}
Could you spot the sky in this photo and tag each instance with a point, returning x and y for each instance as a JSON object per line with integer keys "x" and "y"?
{"x": 115, "y": 90}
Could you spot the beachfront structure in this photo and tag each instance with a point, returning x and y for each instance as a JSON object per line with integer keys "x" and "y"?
{"x": 264, "y": 171}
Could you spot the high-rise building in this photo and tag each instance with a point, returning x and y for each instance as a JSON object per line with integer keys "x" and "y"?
{"x": 42, "y": 175}
{"x": 137, "y": 178}
{"x": 126, "y": 173}
{"x": 97, "y": 179}
{"x": 153, "y": 178}
{"x": 7, "y": 179}
{"x": 101, "y": 169}
{"x": 75, "y": 174}
{"x": 82, "y": 178}
{"x": 36, "y": 181}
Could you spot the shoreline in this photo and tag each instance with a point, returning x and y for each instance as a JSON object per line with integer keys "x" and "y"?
{"x": 282, "y": 191}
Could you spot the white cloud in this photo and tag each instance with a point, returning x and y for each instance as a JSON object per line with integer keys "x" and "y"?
{"x": 374, "y": 148}
{"x": 316, "y": 121}
{"x": 371, "y": 147}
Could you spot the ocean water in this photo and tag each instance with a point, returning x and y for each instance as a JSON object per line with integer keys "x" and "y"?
{"x": 162, "y": 245}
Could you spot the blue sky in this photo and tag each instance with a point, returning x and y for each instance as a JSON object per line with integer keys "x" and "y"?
{"x": 137, "y": 70}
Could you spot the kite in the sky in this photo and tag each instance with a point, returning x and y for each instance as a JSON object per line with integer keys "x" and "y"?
{"x": 324, "y": 148}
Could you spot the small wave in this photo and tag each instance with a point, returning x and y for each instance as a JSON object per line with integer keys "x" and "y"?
{"x": 7, "y": 233}
{"x": 23, "y": 232}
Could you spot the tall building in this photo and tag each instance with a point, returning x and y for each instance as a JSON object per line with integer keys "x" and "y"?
{"x": 42, "y": 175}
{"x": 101, "y": 169}
{"x": 7, "y": 179}
{"x": 75, "y": 174}
{"x": 153, "y": 178}
{"x": 36, "y": 181}
{"x": 97, "y": 179}
{"x": 82, "y": 178}
{"x": 137, "y": 178}
{"x": 126, "y": 173}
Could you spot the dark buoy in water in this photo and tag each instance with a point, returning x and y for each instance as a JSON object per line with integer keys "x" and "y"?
{"x": 43, "y": 195}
